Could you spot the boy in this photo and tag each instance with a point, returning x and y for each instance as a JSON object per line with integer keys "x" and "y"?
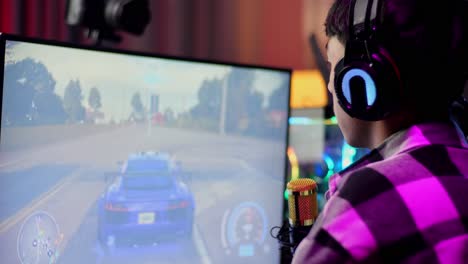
{"x": 396, "y": 67}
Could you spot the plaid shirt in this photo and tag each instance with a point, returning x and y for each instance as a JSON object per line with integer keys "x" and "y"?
{"x": 404, "y": 202}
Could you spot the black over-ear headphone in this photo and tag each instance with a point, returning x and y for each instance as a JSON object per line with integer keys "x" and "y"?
{"x": 367, "y": 80}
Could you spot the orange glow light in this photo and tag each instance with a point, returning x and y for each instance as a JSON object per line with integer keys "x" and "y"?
{"x": 308, "y": 89}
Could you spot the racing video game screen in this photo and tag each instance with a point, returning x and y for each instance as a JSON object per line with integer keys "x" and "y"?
{"x": 116, "y": 157}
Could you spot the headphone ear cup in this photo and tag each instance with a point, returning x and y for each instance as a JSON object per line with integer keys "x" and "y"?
{"x": 367, "y": 91}
{"x": 356, "y": 91}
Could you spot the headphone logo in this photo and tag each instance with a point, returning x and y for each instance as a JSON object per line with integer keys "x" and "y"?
{"x": 358, "y": 75}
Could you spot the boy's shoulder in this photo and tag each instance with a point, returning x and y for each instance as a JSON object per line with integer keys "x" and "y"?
{"x": 414, "y": 169}
{"x": 422, "y": 151}
{"x": 416, "y": 199}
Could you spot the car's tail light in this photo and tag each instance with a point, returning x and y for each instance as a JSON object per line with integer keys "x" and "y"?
{"x": 179, "y": 204}
{"x": 183, "y": 204}
{"x": 116, "y": 207}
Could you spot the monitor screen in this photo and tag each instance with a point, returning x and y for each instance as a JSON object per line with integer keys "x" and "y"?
{"x": 117, "y": 157}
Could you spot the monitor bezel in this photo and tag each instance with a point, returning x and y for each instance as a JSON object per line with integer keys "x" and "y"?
{"x": 35, "y": 40}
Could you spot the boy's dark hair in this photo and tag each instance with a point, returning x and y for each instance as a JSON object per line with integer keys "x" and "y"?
{"x": 427, "y": 41}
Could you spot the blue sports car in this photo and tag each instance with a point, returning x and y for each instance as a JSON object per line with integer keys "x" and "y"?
{"x": 145, "y": 203}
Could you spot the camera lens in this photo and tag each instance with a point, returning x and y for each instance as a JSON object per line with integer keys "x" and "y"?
{"x": 103, "y": 17}
{"x": 128, "y": 15}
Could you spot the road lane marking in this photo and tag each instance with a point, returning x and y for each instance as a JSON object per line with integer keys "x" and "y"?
{"x": 201, "y": 247}
{"x": 32, "y": 206}
{"x": 11, "y": 162}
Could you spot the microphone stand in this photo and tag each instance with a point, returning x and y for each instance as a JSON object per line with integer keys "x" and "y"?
{"x": 289, "y": 238}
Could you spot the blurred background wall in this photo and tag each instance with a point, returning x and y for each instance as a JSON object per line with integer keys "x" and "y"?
{"x": 262, "y": 32}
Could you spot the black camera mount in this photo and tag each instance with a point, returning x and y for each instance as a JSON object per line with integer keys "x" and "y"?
{"x": 102, "y": 18}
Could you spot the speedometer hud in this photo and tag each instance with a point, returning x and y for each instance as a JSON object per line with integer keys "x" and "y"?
{"x": 116, "y": 158}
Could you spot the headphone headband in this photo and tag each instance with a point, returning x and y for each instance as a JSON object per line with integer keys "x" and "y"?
{"x": 363, "y": 18}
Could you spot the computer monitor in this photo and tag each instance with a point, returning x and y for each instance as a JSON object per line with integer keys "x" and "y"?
{"x": 109, "y": 156}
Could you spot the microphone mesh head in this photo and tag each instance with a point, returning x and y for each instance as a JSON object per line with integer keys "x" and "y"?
{"x": 302, "y": 202}
{"x": 302, "y": 184}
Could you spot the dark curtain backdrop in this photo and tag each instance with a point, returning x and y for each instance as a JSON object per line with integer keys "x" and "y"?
{"x": 263, "y": 32}
{"x": 43, "y": 18}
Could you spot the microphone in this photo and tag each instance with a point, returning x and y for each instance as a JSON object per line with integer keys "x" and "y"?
{"x": 303, "y": 209}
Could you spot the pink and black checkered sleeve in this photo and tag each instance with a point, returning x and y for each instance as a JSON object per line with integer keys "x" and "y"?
{"x": 411, "y": 208}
